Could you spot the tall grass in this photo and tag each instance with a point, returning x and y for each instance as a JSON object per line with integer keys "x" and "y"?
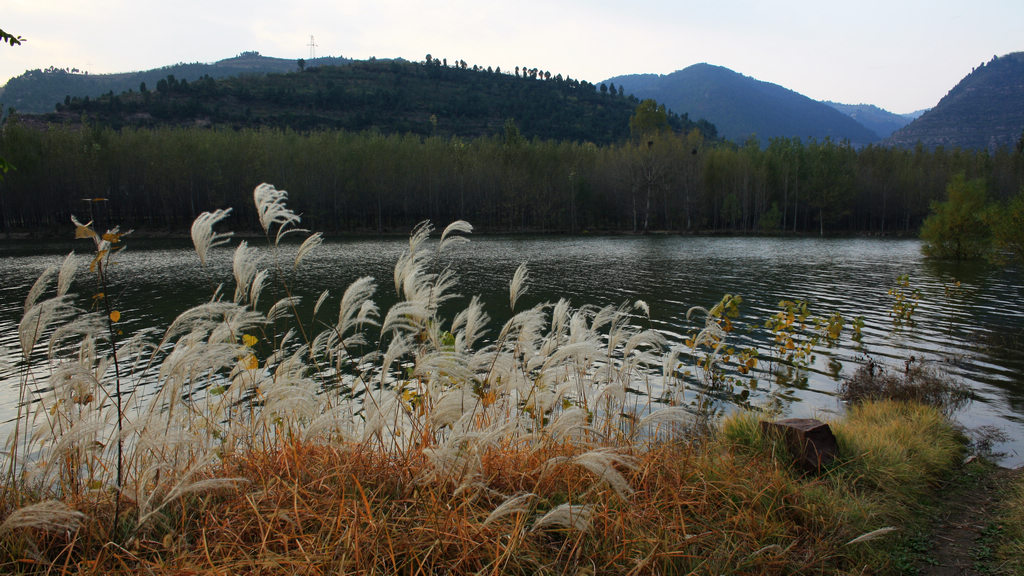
{"x": 244, "y": 437}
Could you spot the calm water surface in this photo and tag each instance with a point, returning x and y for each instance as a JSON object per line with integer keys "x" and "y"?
{"x": 976, "y": 331}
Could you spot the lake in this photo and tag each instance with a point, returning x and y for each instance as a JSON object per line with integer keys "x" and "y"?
{"x": 974, "y": 330}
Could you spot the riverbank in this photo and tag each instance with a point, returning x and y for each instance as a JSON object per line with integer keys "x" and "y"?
{"x": 731, "y": 503}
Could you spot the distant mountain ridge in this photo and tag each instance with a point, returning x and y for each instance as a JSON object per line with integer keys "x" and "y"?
{"x": 881, "y": 122}
{"x": 742, "y": 107}
{"x": 985, "y": 110}
{"x": 39, "y": 91}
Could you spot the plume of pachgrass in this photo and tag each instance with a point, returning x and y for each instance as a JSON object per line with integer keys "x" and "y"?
{"x": 203, "y": 236}
{"x": 270, "y": 205}
{"x": 48, "y": 515}
{"x": 517, "y": 286}
{"x": 566, "y": 517}
{"x": 245, "y": 263}
{"x": 312, "y": 242}
{"x": 518, "y": 504}
{"x": 448, "y": 237}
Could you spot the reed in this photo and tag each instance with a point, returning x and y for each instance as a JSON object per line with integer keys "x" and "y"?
{"x": 401, "y": 441}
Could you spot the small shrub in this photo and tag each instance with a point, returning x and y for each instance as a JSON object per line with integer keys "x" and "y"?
{"x": 918, "y": 383}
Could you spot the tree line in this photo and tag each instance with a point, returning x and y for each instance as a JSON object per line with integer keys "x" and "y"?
{"x": 159, "y": 179}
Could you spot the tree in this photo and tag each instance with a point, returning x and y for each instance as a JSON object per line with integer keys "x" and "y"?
{"x": 302, "y": 64}
{"x": 10, "y": 38}
{"x": 1008, "y": 230}
{"x": 958, "y": 228}
{"x": 650, "y": 118}
{"x": 13, "y": 41}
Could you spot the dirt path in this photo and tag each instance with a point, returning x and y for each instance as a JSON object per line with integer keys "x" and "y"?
{"x": 963, "y": 534}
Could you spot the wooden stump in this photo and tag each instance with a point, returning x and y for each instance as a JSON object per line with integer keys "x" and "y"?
{"x": 810, "y": 441}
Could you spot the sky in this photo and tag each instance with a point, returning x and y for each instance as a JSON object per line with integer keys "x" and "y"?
{"x": 900, "y": 55}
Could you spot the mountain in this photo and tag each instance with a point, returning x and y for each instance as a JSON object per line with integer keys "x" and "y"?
{"x": 39, "y": 91}
{"x": 388, "y": 96}
{"x": 879, "y": 121}
{"x": 985, "y": 110}
{"x": 741, "y": 106}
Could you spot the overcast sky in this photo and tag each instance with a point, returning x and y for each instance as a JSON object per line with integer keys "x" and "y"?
{"x": 901, "y": 55}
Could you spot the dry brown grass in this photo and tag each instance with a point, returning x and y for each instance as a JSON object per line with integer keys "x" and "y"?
{"x": 313, "y": 509}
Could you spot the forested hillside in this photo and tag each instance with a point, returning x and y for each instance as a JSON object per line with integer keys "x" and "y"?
{"x": 742, "y": 107}
{"x": 429, "y": 98}
{"x": 983, "y": 111}
{"x": 39, "y": 91}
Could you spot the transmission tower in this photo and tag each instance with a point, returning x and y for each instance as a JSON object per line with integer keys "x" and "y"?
{"x": 312, "y": 47}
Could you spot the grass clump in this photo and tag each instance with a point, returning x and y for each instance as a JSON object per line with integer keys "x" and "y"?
{"x": 1011, "y": 551}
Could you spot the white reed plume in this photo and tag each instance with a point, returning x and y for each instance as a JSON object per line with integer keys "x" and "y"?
{"x": 668, "y": 417}
{"x": 569, "y": 424}
{"x": 92, "y": 325}
{"x": 873, "y": 534}
{"x": 282, "y": 308}
{"x": 82, "y": 435}
{"x": 183, "y": 486}
{"x": 517, "y": 286}
{"x": 643, "y": 307}
{"x": 202, "y": 318}
{"x": 443, "y": 365}
{"x": 447, "y": 239}
{"x": 602, "y": 461}
{"x": 39, "y": 286}
{"x": 650, "y": 339}
{"x": 203, "y": 236}
{"x": 38, "y": 318}
{"x": 566, "y": 516}
{"x": 272, "y": 210}
{"x": 471, "y": 320}
{"x": 451, "y": 406}
{"x": 409, "y": 266}
{"x": 522, "y": 332}
{"x": 560, "y": 316}
{"x": 356, "y": 308}
{"x": 48, "y": 515}
{"x": 235, "y": 323}
{"x": 244, "y": 268}
{"x": 440, "y": 286}
{"x": 320, "y": 301}
{"x": 581, "y": 353}
{"x": 519, "y": 504}
{"x": 67, "y": 274}
{"x": 409, "y": 317}
{"x": 256, "y": 288}
{"x": 337, "y": 424}
{"x": 308, "y": 245}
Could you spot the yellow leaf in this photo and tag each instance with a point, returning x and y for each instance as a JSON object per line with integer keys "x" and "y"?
{"x": 112, "y": 238}
{"x": 84, "y": 232}
{"x": 97, "y": 260}
{"x": 251, "y": 362}
{"x": 249, "y": 340}
{"x": 115, "y": 316}
{"x": 488, "y": 398}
